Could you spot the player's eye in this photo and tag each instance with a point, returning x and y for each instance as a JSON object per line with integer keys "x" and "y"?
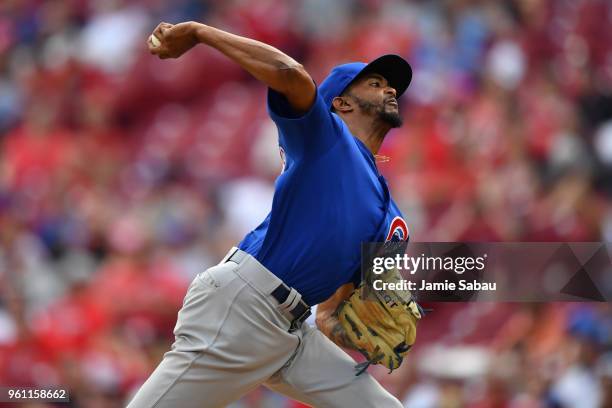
{"x": 375, "y": 84}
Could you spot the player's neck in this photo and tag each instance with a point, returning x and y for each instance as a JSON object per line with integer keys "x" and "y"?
{"x": 371, "y": 133}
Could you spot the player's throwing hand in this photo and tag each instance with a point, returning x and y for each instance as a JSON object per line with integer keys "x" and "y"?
{"x": 172, "y": 41}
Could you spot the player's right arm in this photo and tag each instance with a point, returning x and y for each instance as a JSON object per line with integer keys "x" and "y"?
{"x": 266, "y": 63}
{"x": 327, "y": 318}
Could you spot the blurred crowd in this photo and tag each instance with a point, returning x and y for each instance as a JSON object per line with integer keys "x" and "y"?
{"x": 122, "y": 176}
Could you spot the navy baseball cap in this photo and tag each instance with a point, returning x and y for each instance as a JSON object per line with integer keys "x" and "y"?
{"x": 392, "y": 67}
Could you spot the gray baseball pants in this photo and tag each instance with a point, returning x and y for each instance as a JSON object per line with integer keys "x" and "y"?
{"x": 231, "y": 336}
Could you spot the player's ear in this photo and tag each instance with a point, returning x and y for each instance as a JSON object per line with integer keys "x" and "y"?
{"x": 342, "y": 104}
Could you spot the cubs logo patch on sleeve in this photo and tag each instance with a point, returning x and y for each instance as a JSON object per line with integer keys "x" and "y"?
{"x": 398, "y": 230}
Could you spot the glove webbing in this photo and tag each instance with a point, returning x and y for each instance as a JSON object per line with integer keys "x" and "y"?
{"x": 362, "y": 367}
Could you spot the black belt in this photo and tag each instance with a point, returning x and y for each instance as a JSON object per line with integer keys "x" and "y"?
{"x": 300, "y": 312}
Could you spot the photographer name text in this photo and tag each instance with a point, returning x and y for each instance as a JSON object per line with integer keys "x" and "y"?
{"x": 462, "y": 284}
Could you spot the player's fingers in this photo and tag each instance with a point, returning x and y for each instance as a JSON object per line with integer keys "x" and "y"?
{"x": 154, "y": 49}
{"x": 161, "y": 28}
{"x": 159, "y": 49}
{"x": 162, "y": 52}
{"x": 154, "y": 43}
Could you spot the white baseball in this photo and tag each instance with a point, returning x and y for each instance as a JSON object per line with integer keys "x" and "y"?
{"x": 155, "y": 41}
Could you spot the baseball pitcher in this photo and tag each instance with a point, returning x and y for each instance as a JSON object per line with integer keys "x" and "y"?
{"x": 242, "y": 321}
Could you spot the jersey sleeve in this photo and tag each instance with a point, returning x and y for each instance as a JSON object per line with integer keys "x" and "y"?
{"x": 306, "y": 135}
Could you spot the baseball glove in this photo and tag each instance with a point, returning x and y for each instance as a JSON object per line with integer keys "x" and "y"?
{"x": 381, "y": 324}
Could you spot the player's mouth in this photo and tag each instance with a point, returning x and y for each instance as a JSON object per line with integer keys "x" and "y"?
{"x": 392, "y": 102}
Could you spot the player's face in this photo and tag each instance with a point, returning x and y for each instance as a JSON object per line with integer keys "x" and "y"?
{"x": 374, "y": 96}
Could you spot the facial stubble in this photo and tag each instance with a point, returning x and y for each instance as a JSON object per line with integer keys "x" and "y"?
{"x": 393, "y": 119}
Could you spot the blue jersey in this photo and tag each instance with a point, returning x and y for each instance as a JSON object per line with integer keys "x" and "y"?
{"x": 329, "y": 199}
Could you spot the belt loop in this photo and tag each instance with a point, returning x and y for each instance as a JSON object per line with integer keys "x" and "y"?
{"x": 296, "y": 301}
{"x": 292, "y": 300}
{"x": 228, "y": 255}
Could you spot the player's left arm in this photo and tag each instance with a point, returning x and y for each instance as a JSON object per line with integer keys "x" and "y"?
{"x": 327, "y": 318}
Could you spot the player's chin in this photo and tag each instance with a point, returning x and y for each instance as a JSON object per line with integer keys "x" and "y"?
{"x": 392, "y": 117}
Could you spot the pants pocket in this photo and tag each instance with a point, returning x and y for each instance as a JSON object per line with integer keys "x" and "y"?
{"x": 208, "y": 299}
{"x": 218, "y": 276}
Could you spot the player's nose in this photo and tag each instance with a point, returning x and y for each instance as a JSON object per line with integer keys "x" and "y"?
{"x": 389, "y": 90}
